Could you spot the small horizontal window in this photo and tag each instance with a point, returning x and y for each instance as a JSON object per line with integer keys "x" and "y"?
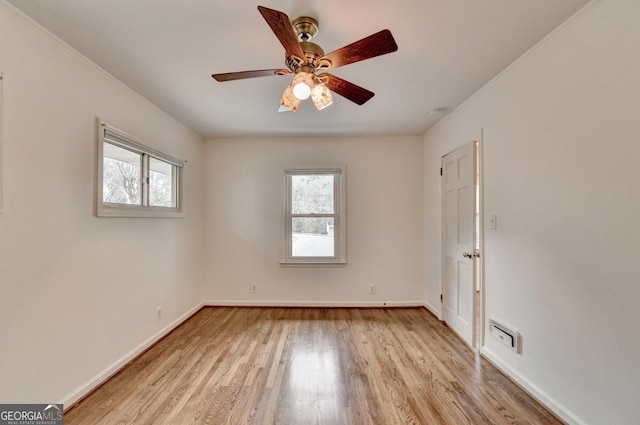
{"x": 134, "y": 180}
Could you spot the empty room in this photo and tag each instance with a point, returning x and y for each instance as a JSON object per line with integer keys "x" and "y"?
{"x": 297, "y": 212}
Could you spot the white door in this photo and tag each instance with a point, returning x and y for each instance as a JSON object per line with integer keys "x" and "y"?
{"x": 458, "y": 240}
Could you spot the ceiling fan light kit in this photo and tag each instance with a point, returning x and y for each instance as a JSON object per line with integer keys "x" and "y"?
{"x": 305, "y": 85}
{"x": 304, "y": 59}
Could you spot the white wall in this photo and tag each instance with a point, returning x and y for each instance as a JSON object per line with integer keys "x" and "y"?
{"x": 245, "y": 207}
{"x": 561, "y": 172}
{"x": 78, "y": 293}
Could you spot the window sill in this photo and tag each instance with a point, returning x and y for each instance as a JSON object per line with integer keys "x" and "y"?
{"x": 137, "y": 212}
{"x": 313, "y": 263}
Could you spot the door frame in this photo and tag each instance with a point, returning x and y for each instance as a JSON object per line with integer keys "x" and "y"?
{"x": 479, "y": 340}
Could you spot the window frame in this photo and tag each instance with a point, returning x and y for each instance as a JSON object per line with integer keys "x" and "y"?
{"x": 118, "y": 138}
{"x": 339, "y": 216}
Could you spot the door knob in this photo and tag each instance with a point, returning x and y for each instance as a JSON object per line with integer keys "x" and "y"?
{"x": 467, "y": 255}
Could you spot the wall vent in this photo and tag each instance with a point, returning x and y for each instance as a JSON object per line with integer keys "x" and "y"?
{"x": 510, "y": 337}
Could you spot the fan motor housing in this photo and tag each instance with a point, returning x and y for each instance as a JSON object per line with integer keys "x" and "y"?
{"x": 306, "y": 28}
{"x": 312, "y": 52}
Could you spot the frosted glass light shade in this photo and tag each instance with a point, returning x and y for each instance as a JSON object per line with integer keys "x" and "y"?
{"x": 288, "y": 102}
{"x": 321, "y": 96}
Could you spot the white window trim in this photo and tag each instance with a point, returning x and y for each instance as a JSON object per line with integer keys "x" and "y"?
{"x": 340, "y": 258}
{"x": 121, "y": 210}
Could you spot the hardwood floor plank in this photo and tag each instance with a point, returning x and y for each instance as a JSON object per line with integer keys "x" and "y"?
{"x": 309, "y": 366}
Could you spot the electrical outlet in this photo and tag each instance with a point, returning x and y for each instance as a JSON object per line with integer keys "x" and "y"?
{"x": 158, "y": 313}
{"x": 372, "y": 289}
{"x": 254, "y": 288}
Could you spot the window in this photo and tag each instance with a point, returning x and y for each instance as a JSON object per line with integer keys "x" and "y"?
{"x": 134, "y": 180}
{"x": 315, "y": 219}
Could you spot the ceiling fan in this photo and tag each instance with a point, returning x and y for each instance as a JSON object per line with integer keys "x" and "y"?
{"x": 305, "y": 59}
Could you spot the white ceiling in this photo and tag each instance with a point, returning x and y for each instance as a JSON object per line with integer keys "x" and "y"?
{"x": 167, "y": 50}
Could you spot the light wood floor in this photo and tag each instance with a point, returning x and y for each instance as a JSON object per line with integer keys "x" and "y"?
{"x": 309, "y": 366}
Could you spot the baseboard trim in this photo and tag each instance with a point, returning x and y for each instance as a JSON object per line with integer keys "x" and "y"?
{"x": 81, "y": 392}
{"x": 317, "y": 304}
{"x": 432, "y": 309}
{"x": 534, "y": 391}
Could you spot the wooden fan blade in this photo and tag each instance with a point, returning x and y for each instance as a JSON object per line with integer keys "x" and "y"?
{"x": 346, "y": 89}
{"x": 230, "y": 76}
{"x": 281, "y": 26}
{"x": 376, "y": 44}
